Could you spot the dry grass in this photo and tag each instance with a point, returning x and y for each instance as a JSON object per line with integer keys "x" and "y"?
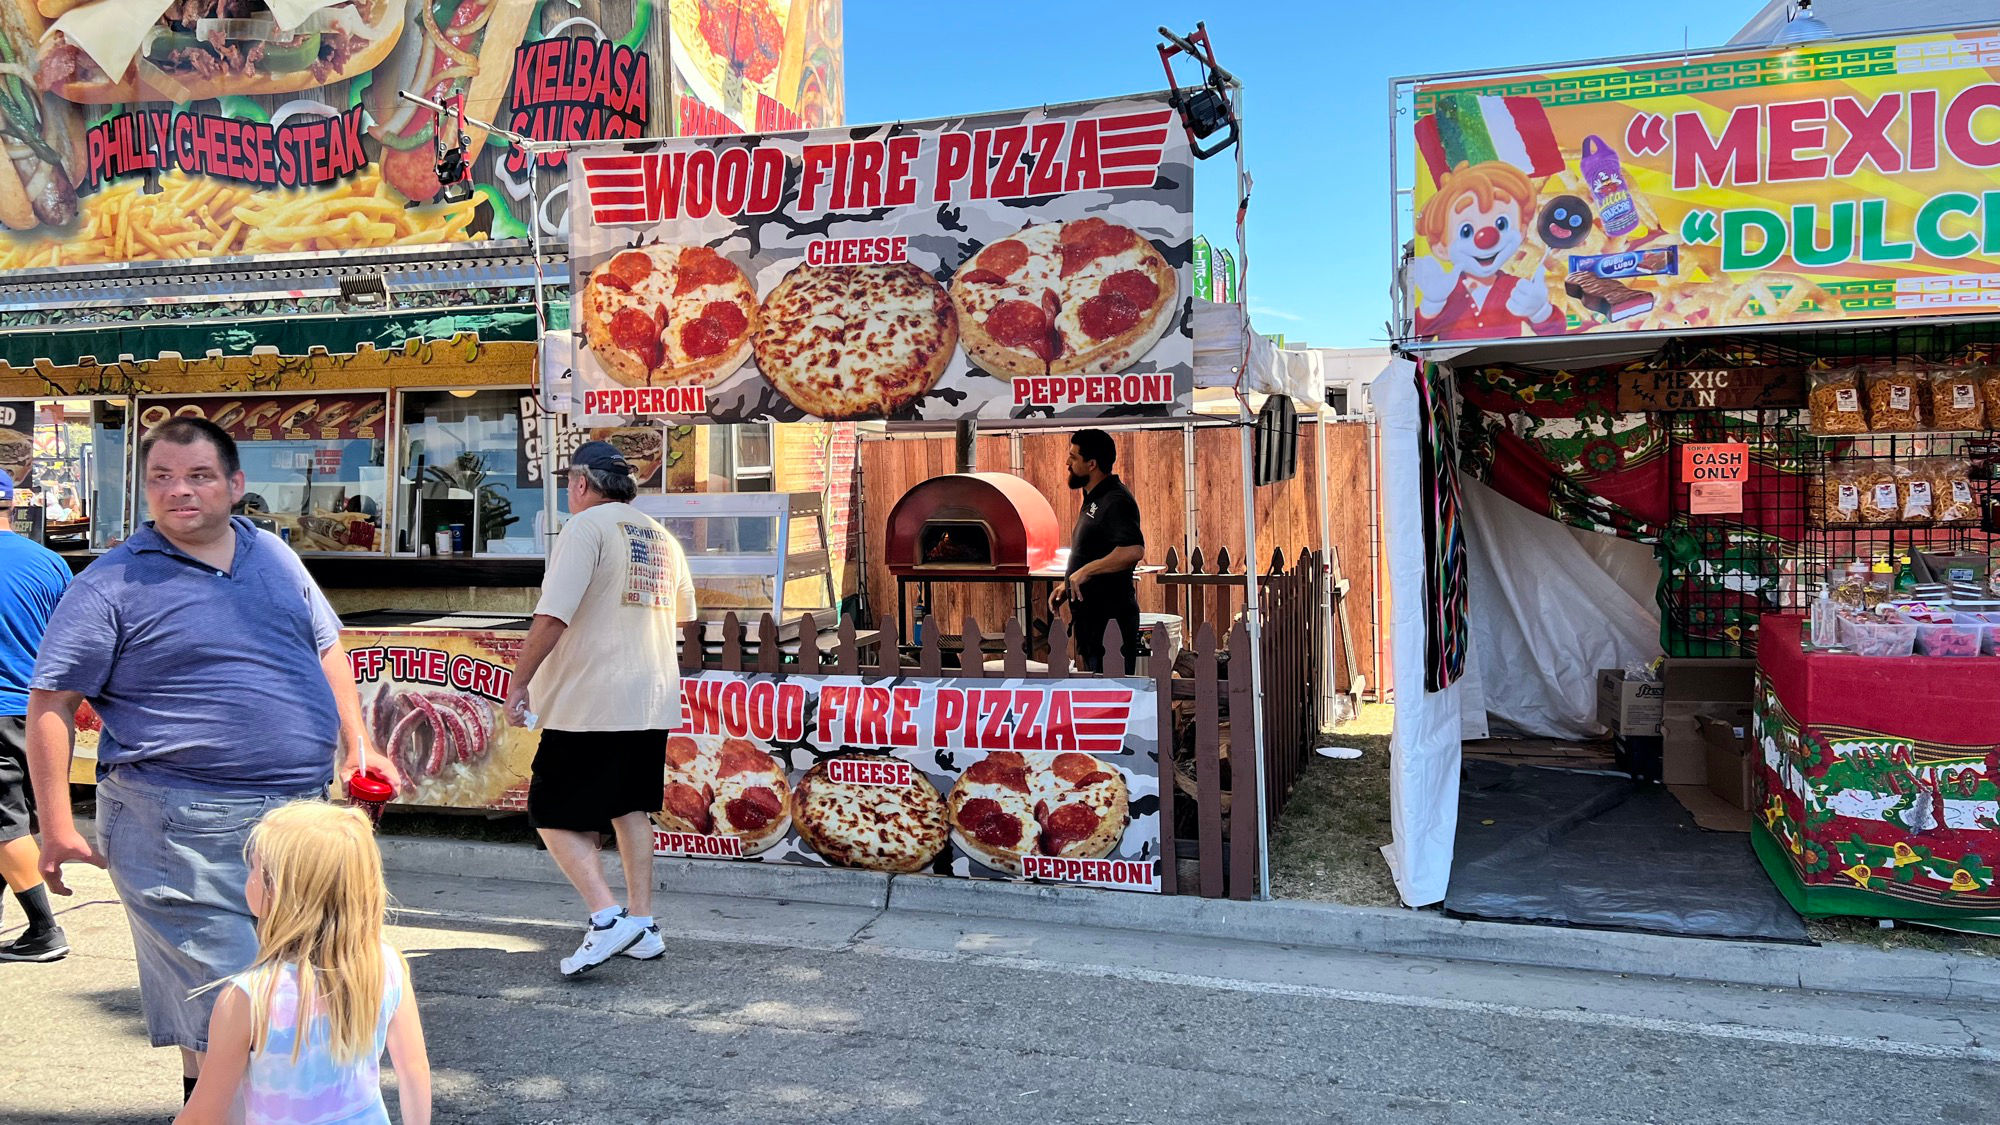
{"x": 1330, "y": 836}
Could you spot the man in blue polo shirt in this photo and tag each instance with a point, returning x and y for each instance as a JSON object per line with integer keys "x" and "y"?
{"x": 32, "y": 581}
{"x": 216, "y": 667}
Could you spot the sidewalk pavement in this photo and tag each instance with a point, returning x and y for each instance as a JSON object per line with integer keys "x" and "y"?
{"x": 1903, "y": 974}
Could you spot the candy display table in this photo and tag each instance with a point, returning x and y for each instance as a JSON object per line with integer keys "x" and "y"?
{"x": 1877, "y": 785}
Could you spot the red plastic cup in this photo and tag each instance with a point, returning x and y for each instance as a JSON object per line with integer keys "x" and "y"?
{"x": 370, "y": 789}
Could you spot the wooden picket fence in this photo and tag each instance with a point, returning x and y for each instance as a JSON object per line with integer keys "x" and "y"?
{"x": 1197, "y": 765}
{"x": 1212, "y": 593}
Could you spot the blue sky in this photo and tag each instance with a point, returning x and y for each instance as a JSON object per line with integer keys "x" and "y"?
{"x": 1316, "y": 100}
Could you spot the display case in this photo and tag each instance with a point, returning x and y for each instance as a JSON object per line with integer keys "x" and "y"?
{"x": 462, "y": 462}
{"x": 752, "y": 553}
{"x": 315, "y": 467}
{"x": 69, "y": 458}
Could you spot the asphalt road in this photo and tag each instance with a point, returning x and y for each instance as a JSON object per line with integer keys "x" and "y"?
{"x": 768, "y": 1012}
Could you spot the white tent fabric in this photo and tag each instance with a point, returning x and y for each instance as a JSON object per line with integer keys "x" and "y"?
{"x": 1546, "y": 614}
{"x": 1424, "y": 746}
{"x": 1218, "y": 350}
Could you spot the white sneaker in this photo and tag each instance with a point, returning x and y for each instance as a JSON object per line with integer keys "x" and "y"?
{"x": 649, "y": 947}
{"x": 602, "y": 943}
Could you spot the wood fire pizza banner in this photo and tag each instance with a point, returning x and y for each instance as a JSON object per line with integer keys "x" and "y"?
{"x": 1024, "y": 265}
{"x": 1030, "y": 779}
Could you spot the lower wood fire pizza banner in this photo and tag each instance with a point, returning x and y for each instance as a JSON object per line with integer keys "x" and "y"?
{"x": 1047, "y": 779}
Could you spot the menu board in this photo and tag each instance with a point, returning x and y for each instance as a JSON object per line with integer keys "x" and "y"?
{"x": 147, "y": 130}
{"x": 17, "y": 440}
{"x": 280, "y": 417}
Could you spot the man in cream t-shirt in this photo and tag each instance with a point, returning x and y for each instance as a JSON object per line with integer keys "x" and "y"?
{"x": 601, "y": 666}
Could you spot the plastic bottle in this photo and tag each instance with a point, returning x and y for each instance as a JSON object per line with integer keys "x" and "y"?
{"x": 1906, "y": 577}
{"x": 1882, "y": 577}
{"x": 1825, "y": 620}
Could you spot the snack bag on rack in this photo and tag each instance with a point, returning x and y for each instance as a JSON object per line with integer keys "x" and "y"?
{"x": 1956, "y": 501}
{"x": 1840, "y": 496}
{"x": 1916, "y": 490}
{"x": 1955, "y": 400}
{"x": 1989, "y": 394}
{"x": 1836, "y": 402}
{"x": 1895, "y": 400}
{"x": 1881, "y": 501}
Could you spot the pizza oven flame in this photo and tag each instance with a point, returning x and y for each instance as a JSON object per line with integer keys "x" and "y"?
{"x": 991, "y": 522}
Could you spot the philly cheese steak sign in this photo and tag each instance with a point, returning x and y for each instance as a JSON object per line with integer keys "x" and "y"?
{"x": 993, "y": 779}
{"x": 1024, "y": 265}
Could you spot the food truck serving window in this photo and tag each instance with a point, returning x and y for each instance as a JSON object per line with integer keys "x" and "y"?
{"x": 68, "y": 461}
{"x": 461, "y": 465}
{"x": 313, "y": 465}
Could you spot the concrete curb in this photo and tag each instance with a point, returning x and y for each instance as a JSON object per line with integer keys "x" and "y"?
{"x": 473, "y": 860}
{"x": 1903, "y": 974}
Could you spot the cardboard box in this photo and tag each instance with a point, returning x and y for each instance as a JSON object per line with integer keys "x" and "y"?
{"x": 1726, "y": 738}
{"x": 1707, "y": 680}
{"x": 1683, "y": 751}
{"x": 1631, "y": 708}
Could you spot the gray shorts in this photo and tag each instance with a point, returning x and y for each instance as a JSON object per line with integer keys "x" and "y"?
{"x": 176, "y": 859}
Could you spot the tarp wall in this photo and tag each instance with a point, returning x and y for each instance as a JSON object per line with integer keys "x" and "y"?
{"x": 1424, "y": 746}
{"x": 1546, "y": 613}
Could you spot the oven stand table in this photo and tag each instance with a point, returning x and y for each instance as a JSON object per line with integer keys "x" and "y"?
{"x": 1034, "y": 629}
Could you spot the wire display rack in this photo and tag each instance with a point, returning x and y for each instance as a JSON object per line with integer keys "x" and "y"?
{"x": 1721, "y": 572}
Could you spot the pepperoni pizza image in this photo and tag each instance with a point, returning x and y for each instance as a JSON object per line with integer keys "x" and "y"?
{"x": 897, "y": 828}
{"x": 1086, "y": 297}
{"x": 666, "y": 315}
{"x": 859, "y": 341}
{"x": 1008, "y": 805}
{"x": 717, "y": 786}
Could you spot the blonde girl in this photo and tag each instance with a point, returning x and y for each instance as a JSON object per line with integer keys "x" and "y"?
{"x": 298, "y": 1036}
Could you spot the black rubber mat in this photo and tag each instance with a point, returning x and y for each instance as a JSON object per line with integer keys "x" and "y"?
{"x": 1569, "y": 848}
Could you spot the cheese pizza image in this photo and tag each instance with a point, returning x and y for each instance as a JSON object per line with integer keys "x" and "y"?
{"x": 1009, "y": 805}
{"x": 1087, "y": 297}
{"x": 666, "y": 315}
{"x": 854, "y": 821}
{"x": 859, "y": 341}
{"x": 717, "y": 786}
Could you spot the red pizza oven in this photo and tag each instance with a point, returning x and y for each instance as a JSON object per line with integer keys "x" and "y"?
{"x": 990, "y": 522}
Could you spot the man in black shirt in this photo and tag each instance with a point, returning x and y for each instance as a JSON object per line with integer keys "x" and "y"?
{"x": 1107, "y": 544}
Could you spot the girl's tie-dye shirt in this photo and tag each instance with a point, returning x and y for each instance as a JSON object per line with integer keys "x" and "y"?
{"x": 315, "y": 1089}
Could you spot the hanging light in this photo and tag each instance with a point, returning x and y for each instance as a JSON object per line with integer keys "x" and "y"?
{"x": 1801, "y": 26}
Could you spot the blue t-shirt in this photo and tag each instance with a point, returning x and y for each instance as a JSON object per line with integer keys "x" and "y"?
{"x": 32, "y": 581}
{"x": 203, "y": 679}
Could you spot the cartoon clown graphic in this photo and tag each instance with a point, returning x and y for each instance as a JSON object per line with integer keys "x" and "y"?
{"x": 1476, "y": 224}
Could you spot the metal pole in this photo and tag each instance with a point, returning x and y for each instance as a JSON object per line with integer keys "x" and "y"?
{"x": 1191, "y": 501}
{"x": 966, "y": 445}
{"x": 1329, "y": 680}
{"x": 1252, "y": 611}
{"x": 546, "y": 396}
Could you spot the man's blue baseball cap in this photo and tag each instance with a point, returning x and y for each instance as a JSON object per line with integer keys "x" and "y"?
{"x": 6, "y": 486}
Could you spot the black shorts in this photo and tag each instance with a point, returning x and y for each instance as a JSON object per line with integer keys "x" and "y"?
{"x": 584, "y": 780}
{"x": 17, "y": 796}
